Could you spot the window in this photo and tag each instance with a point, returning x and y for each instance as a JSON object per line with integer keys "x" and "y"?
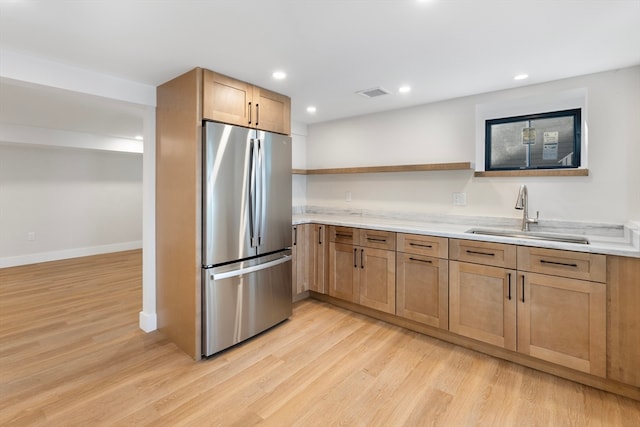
{"x": 535, "y": 141}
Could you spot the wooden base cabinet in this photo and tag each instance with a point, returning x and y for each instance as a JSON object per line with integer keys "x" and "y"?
{"x": 563, "y": 321}
{"x": 483, "y": 303}
{"x": 302, "y": 261}
{"x": 557, "y": 317}
{"x": 319, "y": 254}
{"x": 623, "y": 320}
{"x": 363, "y": 273}
{"x": 422, "y": 279}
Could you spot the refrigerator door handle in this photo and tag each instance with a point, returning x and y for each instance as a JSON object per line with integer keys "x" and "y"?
{"x": 253, "y": 187}
{"x": 261, "y": 192}
{"x": 252, "y": 269}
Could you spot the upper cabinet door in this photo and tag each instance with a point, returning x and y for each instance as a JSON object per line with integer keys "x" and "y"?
{"x": 272, "y": 111}
{"x": 232, "y": 101}
{"x": 227, "y": 100}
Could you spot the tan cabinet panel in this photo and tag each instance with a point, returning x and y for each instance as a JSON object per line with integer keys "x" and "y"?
{"x": 623, "y": 319}
{"x": 346, "y": 235}
{"x": 482, "y": 303}
{"x": 226, "y": 99}
{"x": 563, "y": 321}
{"x": 232, "y": 101}
{"x": 302, "y": 259}
{"x": 319, "y": 246}
{"x": 423, "y": 245}
{"x": 378, "y": 239}
{"x": 377, "y": 279}
{"x": 423, "y": 289}
{"x": 577, "y": 265}
{"x": 344, "y": 274}
{"x": 272, "y": 111}
{"x": 486, "y": 253}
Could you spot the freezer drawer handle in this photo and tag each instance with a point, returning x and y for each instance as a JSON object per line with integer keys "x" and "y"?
{"x": 251, "y": 269}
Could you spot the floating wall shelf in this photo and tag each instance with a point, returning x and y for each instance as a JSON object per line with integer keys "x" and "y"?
{"x": 378, "y": 169}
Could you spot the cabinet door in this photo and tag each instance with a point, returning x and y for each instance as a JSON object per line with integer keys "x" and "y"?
{"x": 563, "y": 321}
{"x": 319, "y": 245}
{"x": 482, "y": 303}
{"x": 377, "y": 279}
{"x": 272, "y": 111}
{"x": 226, "y": 100}
{"x": 301, "y": 258}
{"x": 423, "y": 289}
{"x": 623, "y": 319}
{"x": 344, "y": 272}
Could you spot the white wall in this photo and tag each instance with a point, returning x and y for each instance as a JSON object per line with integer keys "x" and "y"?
{"x": 299, "y": 161}
{"x": 445, "y": 132}
{"x": 76, "y": 201}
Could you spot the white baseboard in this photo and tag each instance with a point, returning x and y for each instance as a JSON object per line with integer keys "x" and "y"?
{"x": 68, "y": 253}
{"x": 148, "y": 321}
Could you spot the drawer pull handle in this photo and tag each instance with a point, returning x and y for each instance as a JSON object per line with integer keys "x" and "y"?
{"x": 373, "y": 239}
{"x": 421, "y": 246}
{"x": 480, "y": 253}
{"x": 344, "y": 236}
{"x": 509, "y": 276}
{"x": 421, "y": 260}
{"x": 566, "y": 264}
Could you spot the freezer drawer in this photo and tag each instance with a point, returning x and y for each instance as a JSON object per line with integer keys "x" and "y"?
{"x": 243, "y": 299}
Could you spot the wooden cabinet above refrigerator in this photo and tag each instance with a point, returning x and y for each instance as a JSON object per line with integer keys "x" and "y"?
{"x": 228, "y": 100}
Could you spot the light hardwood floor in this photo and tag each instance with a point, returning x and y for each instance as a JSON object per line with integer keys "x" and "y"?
{"x": 71, "y": 354}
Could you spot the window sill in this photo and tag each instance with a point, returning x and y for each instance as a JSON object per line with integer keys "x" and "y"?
{"x": 532, "y": 172}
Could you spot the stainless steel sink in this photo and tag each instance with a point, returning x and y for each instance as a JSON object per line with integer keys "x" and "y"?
{"x": 531, "y": 235}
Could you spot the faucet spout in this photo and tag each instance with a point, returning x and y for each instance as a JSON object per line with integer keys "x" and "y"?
{"x": 522, "y": 203}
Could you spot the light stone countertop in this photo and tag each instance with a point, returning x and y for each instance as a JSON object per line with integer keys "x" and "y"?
{"x": 622, "y": 240}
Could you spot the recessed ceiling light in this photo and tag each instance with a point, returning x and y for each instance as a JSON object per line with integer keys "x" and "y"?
{"x": 521, "y": 76}
{"x": 311, "y": 109}
{"x": 404, "y": 89}
{"x": 139, "y": 137}
{"x": 279, "y": 75}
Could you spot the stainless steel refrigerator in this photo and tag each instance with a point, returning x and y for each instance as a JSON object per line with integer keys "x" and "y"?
{"x": 246, "y": 241}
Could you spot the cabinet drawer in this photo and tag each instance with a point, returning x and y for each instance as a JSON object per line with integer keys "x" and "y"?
{"x": 346, "y": 235}
{"x": 487, "y": 253}
{"x": 378, "y": 239}
{"x": 577, "y": 265}
{"x": 423, "y": 245}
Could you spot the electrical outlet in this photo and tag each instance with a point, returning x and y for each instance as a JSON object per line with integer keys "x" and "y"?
{"x": 459, "y": 199}
{"x": 31, "y": 236}
{"x": 347, "y": 196}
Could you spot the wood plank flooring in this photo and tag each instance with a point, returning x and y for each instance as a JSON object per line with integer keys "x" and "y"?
{"x": 71, "y": 354}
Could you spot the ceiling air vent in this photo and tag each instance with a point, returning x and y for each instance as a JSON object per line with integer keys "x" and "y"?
{"x": 373, "y": 92}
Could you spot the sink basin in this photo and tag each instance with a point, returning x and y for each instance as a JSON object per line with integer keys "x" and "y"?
{"x": 531, "y": 235}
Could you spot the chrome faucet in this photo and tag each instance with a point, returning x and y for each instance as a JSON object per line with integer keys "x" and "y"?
{"x": 522, "y": 203}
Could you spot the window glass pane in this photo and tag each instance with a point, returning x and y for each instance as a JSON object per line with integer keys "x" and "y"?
{"x": 554, "y": 142}
{"x": 536, "y": 141}
{"x": 507, "y": 149}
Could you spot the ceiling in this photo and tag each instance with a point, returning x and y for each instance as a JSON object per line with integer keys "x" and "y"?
{"x": 329, "y": 49}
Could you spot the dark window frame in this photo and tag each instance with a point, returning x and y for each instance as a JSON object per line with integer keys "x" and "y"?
{"x": 576, "y": 113}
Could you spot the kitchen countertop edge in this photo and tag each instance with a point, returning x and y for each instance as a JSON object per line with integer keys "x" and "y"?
{"x": 623, "y": 246}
